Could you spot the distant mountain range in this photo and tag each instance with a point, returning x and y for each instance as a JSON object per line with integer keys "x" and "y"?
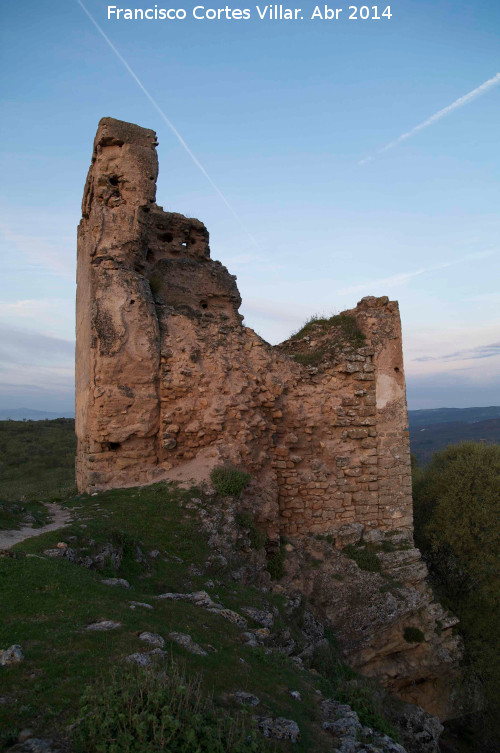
{"x": 29, "y": 414}
{"x": 432, "y": 430}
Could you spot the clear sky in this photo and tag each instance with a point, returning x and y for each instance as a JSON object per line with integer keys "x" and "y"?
{"x": 283, "y": 116}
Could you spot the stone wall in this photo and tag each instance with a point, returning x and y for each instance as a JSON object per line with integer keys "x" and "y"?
{"x": 170, "y": 383}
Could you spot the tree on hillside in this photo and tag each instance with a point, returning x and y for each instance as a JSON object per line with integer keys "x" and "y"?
{"x": 457, "y": 526}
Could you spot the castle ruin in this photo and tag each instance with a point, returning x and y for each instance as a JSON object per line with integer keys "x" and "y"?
{"x": 170, "y": 383}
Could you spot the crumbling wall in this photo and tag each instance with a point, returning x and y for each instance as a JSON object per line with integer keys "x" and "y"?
{"x": 170, "y": 383}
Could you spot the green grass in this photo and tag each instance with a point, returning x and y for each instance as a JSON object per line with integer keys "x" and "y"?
{"x": 37, "y": 460}
{"x": 46, "y": 604}
{"x": 365, "y": 557}
{"x": 229, "y": 481}
{"x": 343, "y": 332}
{"x": 136, "y": 710}
{"x": 346, "y": 325}
{"x": 413, "y": 635}
{"x": 17, "y": 514}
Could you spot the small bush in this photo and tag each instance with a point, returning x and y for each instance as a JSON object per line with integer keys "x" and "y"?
{"x": 246, "y": 521}
{"x": 413, "y": 635}
{"x": 228, "y": 480}
{"x": 276, "y": 563}
{"x": 155, "y": 283}
{"x": 365, "y": 558}
{"x": 136, "y": 711}
{"x": 348, "y": 330}
{"x": 341, "y": 682}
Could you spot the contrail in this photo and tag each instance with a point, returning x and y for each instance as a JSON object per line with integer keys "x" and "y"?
{"x": 168, "y": 122}
{"x": 441, "y": 114}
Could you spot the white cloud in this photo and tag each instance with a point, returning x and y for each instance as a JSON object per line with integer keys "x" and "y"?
{"x": 460, "y": 102}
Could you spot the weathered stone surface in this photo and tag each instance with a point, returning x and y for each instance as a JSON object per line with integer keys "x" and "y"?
{"x": 246, "y": 699}
{"x": 187, "y": 642}
{"x": 12, "y": 655}
{"x": 370, "y": 611}
{"x": 170, "y": 383}
{"x": 279, "y": 729}
{"x": 120, "y": 582}
{"x": 146, "y": 658}
{"x": 154, "y": 639}
{"x": 103, "y": 625}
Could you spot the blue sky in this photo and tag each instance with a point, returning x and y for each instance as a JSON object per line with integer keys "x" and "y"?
{"x": 280, "y": 114}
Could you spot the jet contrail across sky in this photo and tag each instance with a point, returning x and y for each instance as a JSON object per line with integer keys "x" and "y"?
{"x": 168, "y": 122}
{"x": 438, "y": 115}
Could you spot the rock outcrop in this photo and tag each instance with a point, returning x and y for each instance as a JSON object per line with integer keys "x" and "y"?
{"x": 170, "y": 384}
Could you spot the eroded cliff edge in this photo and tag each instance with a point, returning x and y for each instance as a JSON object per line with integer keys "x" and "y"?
{"x": 169, "y": 384}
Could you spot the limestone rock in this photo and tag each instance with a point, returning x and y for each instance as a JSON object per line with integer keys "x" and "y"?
{"x": 279, "y": 729}
{"x": 12, "y": 655}
{"x": 246, "y": 699}
{"x": 187, "y": 642}
{"x": 264, "y": 618}
{"x": 103, "y": 625}
{"x": 146, "y": 658}
{"x": 120, "y": 582}
{"x": 154, "y": 639}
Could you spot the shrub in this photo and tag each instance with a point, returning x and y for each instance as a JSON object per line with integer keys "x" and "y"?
{"x": 246, "y": 521}
{"x": 136, "y": 711}
{"x": 276, "y": 563}
{"x": 413, "y": 635}
{"x": 364, "y": 557}
{"x": 155, "y": 283}
{"x": 228, "y": 480}
{"x": 457, "y": 526}
{"x": 348, "y": 330}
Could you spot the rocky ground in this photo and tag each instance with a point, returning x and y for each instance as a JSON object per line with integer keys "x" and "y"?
{"x": 156, "y": 576}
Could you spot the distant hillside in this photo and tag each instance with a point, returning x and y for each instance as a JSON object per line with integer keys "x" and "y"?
{"x": 447, "y": 415}
{"x": 426, "y": 440}
{"x": 29, "y": 414}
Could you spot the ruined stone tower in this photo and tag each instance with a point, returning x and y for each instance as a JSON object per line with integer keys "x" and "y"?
{"x": 170, "y": 383}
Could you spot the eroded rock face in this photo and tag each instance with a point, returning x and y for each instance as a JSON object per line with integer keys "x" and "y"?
{"x": 170, "y": 383}
{"x": 388, "y": 623}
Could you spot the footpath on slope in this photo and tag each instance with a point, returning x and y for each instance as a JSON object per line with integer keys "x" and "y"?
{"x": 60, "y": 518}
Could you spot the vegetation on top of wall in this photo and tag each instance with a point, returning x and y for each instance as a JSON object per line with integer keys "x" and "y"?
{"x": 348, "y": 329}
{"x": 342, "y": 330}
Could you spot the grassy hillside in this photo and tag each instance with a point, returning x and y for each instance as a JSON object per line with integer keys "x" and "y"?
{"x": 37, "y": 460}
{"x": 75, "y": 686}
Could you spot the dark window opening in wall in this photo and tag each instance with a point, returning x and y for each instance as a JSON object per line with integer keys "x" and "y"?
{"x": 150, "y": 256}
{"x": 203, "y": 304}
{"x": 113, "y": 180}
{"x": 396, "y": 369}
{"x": 110, "y": 445}
{"x": 166, "y": 237}
{"x": 132, "y": 300}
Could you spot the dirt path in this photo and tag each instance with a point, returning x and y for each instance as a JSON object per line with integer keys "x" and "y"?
{"x": 60, "y": 517}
